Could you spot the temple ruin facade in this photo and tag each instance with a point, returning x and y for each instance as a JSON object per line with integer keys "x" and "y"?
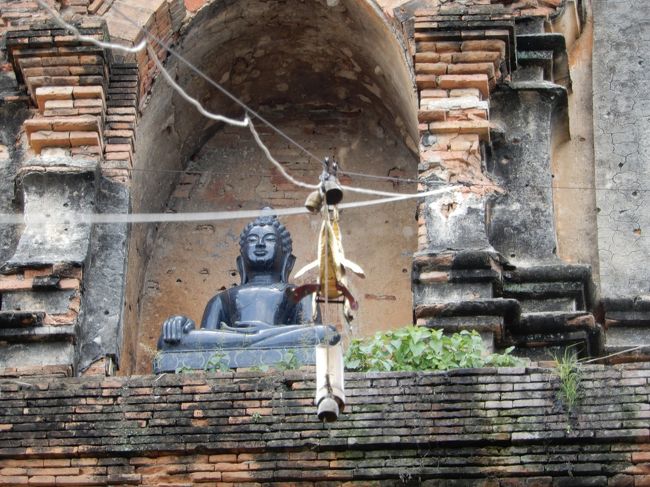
{"x": 530, "y": 118}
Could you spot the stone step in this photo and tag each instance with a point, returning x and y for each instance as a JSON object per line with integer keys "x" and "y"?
{"x": 556, "y": 331}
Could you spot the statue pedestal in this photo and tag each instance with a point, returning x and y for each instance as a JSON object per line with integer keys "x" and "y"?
{"x": 214, "y": 359}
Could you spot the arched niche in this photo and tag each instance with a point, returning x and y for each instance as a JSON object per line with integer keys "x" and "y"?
{"x": 336, "y": 79}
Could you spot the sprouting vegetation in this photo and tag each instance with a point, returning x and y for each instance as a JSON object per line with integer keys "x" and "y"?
{"x": 217, "y": 362}
{"x": 570, "y": 375}
{"x": 419, "y": 348}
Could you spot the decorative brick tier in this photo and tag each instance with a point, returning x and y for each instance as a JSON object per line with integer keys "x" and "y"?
{"x": 473, "y": 427}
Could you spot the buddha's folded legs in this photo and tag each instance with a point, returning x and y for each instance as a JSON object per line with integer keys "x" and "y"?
{"x": 281, "y": 336}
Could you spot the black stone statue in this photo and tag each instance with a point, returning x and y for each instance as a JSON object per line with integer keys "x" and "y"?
{"x": 262, "y": 313}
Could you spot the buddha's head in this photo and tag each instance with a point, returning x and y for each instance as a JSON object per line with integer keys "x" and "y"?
{"x": 265, "y": 248}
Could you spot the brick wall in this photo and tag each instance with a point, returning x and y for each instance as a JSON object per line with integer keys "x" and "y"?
{"x": 487, "y": 427}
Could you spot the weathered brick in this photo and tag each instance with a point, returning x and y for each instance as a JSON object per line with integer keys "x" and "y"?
{"x": 482, "y": 128}
{"x": 472, "y": 68}
{"x": 426, "y": 57}
{"x": 77, "y": 124}
{"x": 14, "y": 480}
{"x": 46, "y": 93}
{"x": 485, "y": 45}
{"x": 55, "y": 104}
{"x": 431, "y": 68}
{"x": 477, "y": 81}
{"x": 425, "y": 116}
{"x": 41, "y": 139}
{"x": 42, "y": 480}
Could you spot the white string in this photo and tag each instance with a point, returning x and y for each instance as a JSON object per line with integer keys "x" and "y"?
{"x": 275, "y": 162}
{"x": 213, "y": 116}
{"x": 73, "y": 218}
{"x": 223, "y": 90}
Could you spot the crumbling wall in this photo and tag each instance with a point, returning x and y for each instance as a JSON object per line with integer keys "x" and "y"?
{"x": 621, "y": 170}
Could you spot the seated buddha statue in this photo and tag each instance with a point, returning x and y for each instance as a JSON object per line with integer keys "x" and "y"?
{"x": 262, "y": 312}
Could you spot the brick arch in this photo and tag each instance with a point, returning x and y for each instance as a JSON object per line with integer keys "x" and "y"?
{"x": 316, "y": 71}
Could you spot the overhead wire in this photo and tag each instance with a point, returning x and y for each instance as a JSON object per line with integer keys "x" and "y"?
{"x": 246, "y": 121}
{"x": 69, "y": 217}
{"x": 143, "y": 44}
{"x": 241, "y": 123}
{"x": 216, "y": 85}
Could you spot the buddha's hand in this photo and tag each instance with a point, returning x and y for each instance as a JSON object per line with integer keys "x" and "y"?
{"x": 175, "y": 327}
{"x": 251, "y": 326}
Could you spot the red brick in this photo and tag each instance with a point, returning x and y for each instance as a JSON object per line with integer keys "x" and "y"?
{"x": 225, "y": 457}
{"x": 13, "y": 480}
{"x": 37, "y": 124}
{"x": 433, "y": 93}
{"x": 56, "y": 462}
{"x": 482, "y": 128}
{"x": 485, "y": 45}
{"x": 205, "y": 476}
{"x": 642, "y": 481}
{"x": 82, "y": 92}
{"x": 638, "y": 457}
{"x": 53, "y": 104}
{"x": 472, "y": 68}
{"x": 78, "y": 138}
{"x": 477, "y": 57}
{"x": 69, "y": 284}
{"x": 60, "y": 61}
{"x": 431, "y": 68}
{"x": 93, "y": 69}
{"x": 80, "y": 480}
{"x": 31, "y": 62}
{"x": 45, "y": 93}
{"x": 425, "y": 116}
{"x": 39, "y": 271}
{"x": 57, "y": 71}
{"x": 61, "y": 112}
{"x": 43, "y": 480}
{"x": 465, "y": 92}
{"x": 427, "y": 57}
{"x": 426, "y": 47}
{"x": 455, "y": 81}
{"x": 88, "y": 102}
{"x": 118, "y": 156}
{"x": 42, "y": 139}
{"x": 119, "y": 133}
{"x": 442, "y": 47}
{"x": 53, "y": 471}
{"x": 425, "y": 81}
{"x": 76, "y": 124}
{"x": 118, "y": 148}
{"x": 30, "y": 72}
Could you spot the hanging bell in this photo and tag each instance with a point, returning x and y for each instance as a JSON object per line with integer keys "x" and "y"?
{"x": 333, "y": 192}
{"x": 314, "y": 201}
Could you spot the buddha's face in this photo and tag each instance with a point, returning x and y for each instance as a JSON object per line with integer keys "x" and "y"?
{"x": 262, "y": 250}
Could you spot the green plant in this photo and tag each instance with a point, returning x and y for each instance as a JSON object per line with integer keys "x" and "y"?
{"x": 419, "y": 348}
{"x": 256, "y": 417}
{"x": 184, "y": 369}
{"x": 570, "y": 376}
{"x": 217, "y": 362}
{"x": 289, "y": 361}
{"x": 260, "y": 368}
